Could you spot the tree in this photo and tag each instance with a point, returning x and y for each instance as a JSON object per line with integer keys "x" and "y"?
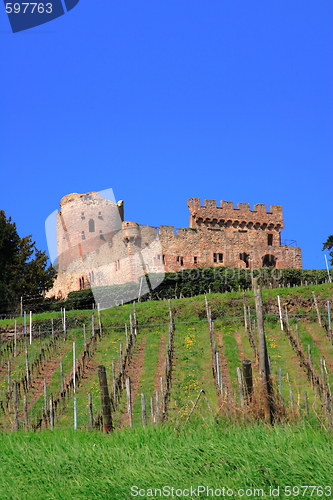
{"x": 24, "y": 270}
{"x": 329, "y": 245}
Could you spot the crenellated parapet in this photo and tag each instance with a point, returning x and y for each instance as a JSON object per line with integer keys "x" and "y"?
{"x": 212, "y": 216}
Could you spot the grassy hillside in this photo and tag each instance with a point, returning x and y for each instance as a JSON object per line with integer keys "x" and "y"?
{"x": 65, "y": 465}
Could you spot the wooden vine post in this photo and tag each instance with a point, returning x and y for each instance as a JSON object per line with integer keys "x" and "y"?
{"x": 91, "y": 417}
{"x": 317, "y": 308}
{"x": 16, "y": 422}
{"x": 264, "y": 370}
{"x": 129, "y": 401}
{"x": 245, "y": 315}
{"x": 105, "y": 399}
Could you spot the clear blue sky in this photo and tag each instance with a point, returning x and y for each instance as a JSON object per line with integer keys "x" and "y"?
{"x": 168, "y": 100}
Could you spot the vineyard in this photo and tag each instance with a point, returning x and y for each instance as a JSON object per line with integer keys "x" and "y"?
{"x": 176, "y": 361}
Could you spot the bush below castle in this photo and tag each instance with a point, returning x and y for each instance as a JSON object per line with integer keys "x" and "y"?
{"x": 192, "y": 282}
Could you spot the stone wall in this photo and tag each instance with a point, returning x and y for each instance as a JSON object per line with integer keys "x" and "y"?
{"x": 110, "y": 250}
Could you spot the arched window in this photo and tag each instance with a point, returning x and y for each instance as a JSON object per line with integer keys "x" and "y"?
{"x": 269, "y": 260}
{"x": 245, "y": 258}
{"x": 91, "y": 226}
{"x": 80, "y": 283}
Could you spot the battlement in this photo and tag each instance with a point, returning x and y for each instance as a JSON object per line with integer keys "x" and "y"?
{"x": 211, "y": 213}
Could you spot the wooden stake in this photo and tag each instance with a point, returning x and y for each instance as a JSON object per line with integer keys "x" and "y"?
{"x": 129, "y": 401}
{"x": 280, "y": 384}
{"x": 30, "y": 327}
{"x": 51, "y": 413}
{"x": 287, "y": 319}
{"x": 91, "y": 418}
{"x": 245, "y": 315}
{"x": 248, "y": 379}
{"x": 100, "y": 322}
{"x": 65, "y": 330}
{"x": 152, "y": 410}
{"x": 114, "y": 385}
{"x": 143, "y": 410}
{"x": 291, "y": 399}
{"x": 317, "y": 308}
{"x": 16, "y": 423}
{"x": 218, "y": 370}
{"x": 329, "y": 322}
{"x": 105, "y": 399}
{"x": 305, "y": 394}
{"x": 240, "y": 383}
{"x": 93, "y": 325}
{"x": 52, "y": 329}
{"x": 121, "y": 360}
{"x": 280, "y": 313}
{"x": 45, "y": 401}
{"x": 263, "y": 357}
{"x": 157, "y": 407}
{"x": 25, "y": 411}
{"x": 322, "y": 373}
{"x": 9, "y": 383}
{"x": 135, "y": 320}
{"x": 15, "y": 339}
{"x": 62, "y": 377}
{"x": 170, "y": 312}
{"x": 309, "y": 353}
{"x": 84, "y": 337}
{"x": 27, "y": 362}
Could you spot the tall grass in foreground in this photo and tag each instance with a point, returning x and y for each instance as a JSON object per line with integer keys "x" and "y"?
{"x": 89, "y": 465}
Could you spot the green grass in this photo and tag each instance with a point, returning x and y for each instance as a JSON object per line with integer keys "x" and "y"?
{"x": 66, "y": 465}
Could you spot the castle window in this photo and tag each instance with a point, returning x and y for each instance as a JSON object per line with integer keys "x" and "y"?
{"x": 100, "y": 215}
{"x": 195, "y": 260}
{"x": 163, "y": 259}
{"x": 218, "y": 257}
{"x": 80, "y": 283}
{"x": 245, "y": 258}
{"x": 91, "y": 226}
{"x": 180, "y": 260}
{"x": 82, "y": 216}
{"x": 101, "y": 235}
{"x": 269, "y": 240}
{"x": 117, "y": 265}
{"x": 83, "y": 236}
{"x": 269, "y": 260}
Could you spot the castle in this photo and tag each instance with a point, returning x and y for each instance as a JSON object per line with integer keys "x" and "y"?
{"x": 95, "y": 246}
